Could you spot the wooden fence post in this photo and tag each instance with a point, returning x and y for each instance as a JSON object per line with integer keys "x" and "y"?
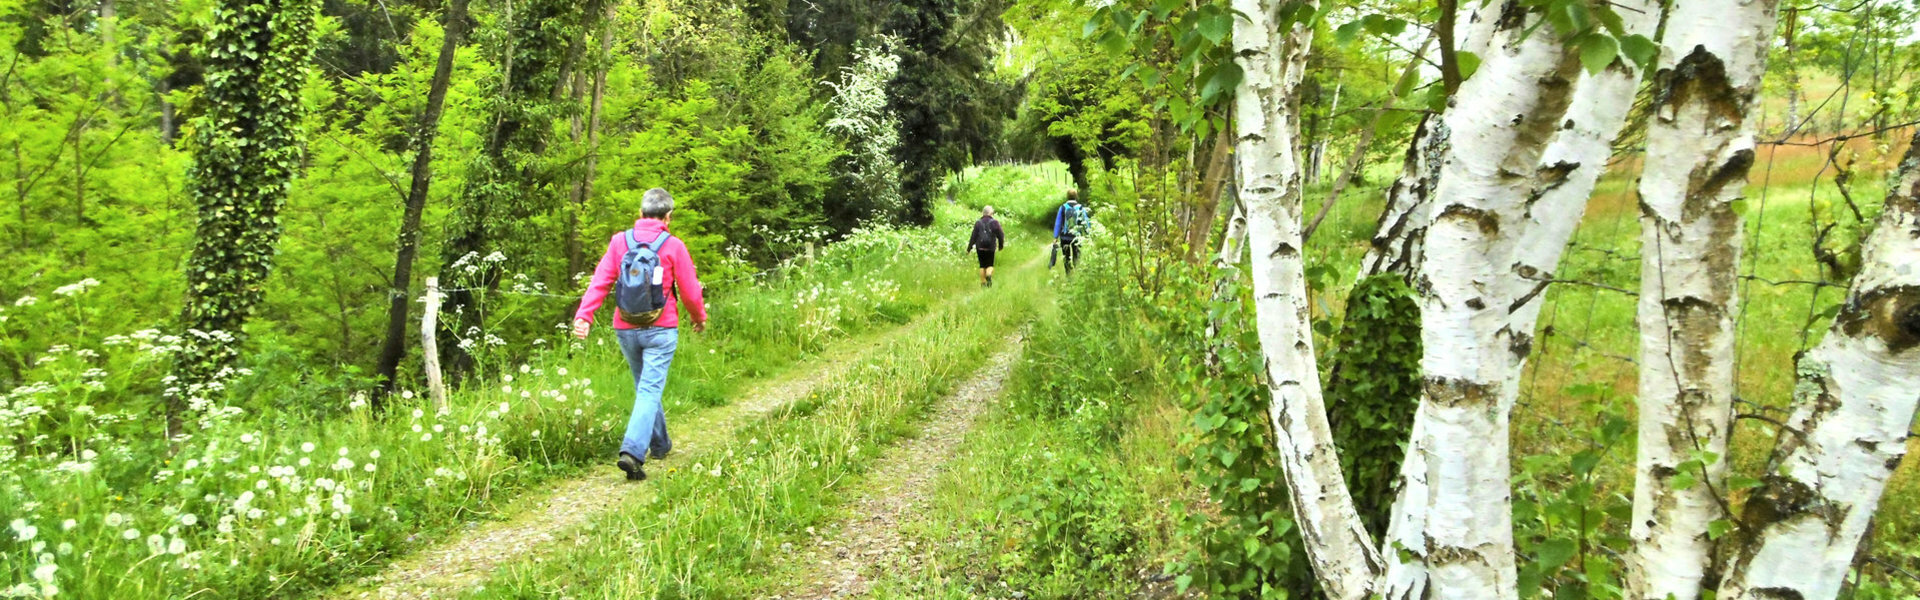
{"x": 429, "y": 349}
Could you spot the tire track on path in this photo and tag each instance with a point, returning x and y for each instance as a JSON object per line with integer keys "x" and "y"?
{"x": 869, "y": 542}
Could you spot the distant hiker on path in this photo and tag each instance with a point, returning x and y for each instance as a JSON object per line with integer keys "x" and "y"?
{"x": 987, "y": 239}
{"x": 1069, "y": 223}
{"x": 649, "y": 271}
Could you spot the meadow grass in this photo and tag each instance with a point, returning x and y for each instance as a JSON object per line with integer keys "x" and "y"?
{"x": 270, "y": 505}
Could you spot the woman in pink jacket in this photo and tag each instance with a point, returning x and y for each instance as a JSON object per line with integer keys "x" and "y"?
{"x": 649, "y": 349}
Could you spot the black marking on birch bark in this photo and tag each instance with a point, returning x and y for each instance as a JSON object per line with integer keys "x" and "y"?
{"x": 1512, "y": 15}
{"x": 1476, "y": 303}
{"x": 1521, "y": 346}
{"x": 1446, "y": 555}
{"x": 1549, "y": 178}
{"x": 1452, "y": 392}
{"x": 1486, "y": 221}
{"x": 1704, "y": 191}
{"x": 1890, "y": 314}
{"x": 1701, "y": 74}
{"x": 1778, "y": 593}
{"x": 1693, "y": 318}
{"x": 1284, "y": 250}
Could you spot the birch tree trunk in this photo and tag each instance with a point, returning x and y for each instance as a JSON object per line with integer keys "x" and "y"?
{"x": 1452, "y": 527}
{"x": 1273, "y": 56}
{"x": 1397, "y": 238}
{"x": 1699, "y": 150}
{"x": 1854, "y": 401}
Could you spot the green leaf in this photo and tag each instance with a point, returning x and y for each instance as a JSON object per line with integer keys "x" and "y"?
{"x": 1555, "y": 552}
{"x": 1684, "y": 480}
{"x": 1597, "y": 51}
{"x": 1225, "y": 78}
{"x": 1216, "y": 26}
{"x": 1469, "y": 63}
{"x": 1742, "y": 482}
{"x": 1348, "y": 32}
{"x": 1718, "y": 528}
{"x": 1642, "y": 51}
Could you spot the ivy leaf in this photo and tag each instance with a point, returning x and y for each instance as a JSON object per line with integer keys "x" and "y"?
{"x": 1597, "y": 50}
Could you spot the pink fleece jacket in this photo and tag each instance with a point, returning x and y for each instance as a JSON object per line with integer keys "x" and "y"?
{"x": 680, "y": 279}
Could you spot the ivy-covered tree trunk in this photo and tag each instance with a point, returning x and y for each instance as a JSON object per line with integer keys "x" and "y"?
{"x": 507, "y": 185}
{"x": 246, "y": 147}
{"x": 1855, "y": 399}
{"x": 395, "y": 347}
{"x": 1700, "y": 146}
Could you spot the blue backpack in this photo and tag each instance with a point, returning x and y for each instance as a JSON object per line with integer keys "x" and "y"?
{"x": 639, "y": 294}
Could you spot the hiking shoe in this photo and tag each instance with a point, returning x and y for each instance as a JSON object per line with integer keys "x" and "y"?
{"x": 658, "y": 454}
{"x": 631, "y": 467}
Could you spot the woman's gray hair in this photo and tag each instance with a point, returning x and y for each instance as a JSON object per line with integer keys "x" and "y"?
{"x": 655, "y": 204}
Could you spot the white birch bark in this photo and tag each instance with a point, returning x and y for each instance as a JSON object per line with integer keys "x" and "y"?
{"x": 1563, "y": 182}
{"x": 1273, "y": 56}
{"x": 1398, "y": 236}
{"x": 1451, "y": 534}
{"x": 1854, "y": 401}
{"x": 1700, "y": 148}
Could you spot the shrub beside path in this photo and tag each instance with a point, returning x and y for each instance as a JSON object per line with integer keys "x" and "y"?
{"x": 844, "y": 561}
{"x": 468, "y": 558}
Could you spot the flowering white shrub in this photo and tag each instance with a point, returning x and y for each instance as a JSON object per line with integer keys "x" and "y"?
{"x": 861, "y": 119}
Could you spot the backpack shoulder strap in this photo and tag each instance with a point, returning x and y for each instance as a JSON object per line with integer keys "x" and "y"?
{"x": 632, "y": 242}
{"x": 659, "y": 242}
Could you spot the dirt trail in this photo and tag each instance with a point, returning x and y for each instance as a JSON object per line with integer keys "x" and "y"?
{"x": 869, "y": 542}
{"x": 456, "y": 564}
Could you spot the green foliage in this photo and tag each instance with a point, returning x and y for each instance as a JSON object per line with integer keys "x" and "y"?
{"x": 1375, "y": 382}
{"x": 247, "y": 148}
{"x": 1073, "y": 531}
{"x": 1243, "y": 544}
{"x": 1569, "y": 518}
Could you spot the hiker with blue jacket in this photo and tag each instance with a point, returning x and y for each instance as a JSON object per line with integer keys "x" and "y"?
{"x": 1069, "y": 223}
{"x": 987, "y": 240}
{"x": 650, "y": 272}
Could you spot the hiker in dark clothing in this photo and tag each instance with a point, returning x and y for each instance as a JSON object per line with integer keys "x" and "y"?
{"x": 987, "y": 239}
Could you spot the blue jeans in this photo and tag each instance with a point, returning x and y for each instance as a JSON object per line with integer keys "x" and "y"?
{"x": 649, "y": 352}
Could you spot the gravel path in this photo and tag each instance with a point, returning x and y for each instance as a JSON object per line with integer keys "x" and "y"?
{"x": 869, "y": 542}
{"x": 448, "y": 568}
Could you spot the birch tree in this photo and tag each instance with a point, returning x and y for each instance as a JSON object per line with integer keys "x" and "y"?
{"x": 1271, "y": 41}
{"x": 1700, "y": 147}
{"x": 1853, "y": 403}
